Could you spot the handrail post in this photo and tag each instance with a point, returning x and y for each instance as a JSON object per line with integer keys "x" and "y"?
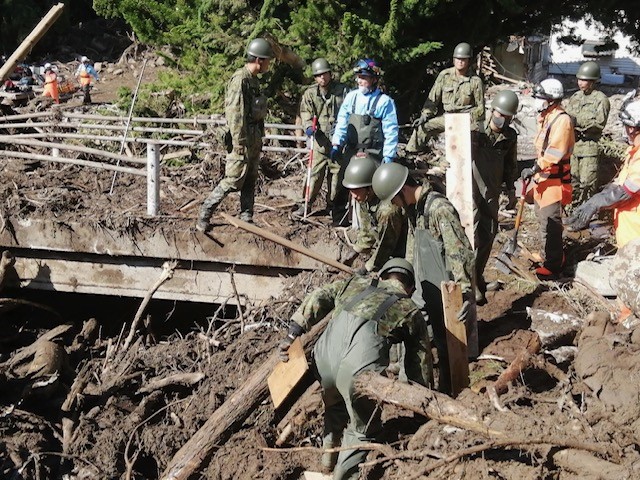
{"x": 153, "y": 179}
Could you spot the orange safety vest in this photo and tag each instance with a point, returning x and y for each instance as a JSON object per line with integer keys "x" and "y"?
{"x": 51, "y": 86}
{"x": 626, "y": 217}
{"x": 554, "y": 145}
{"x": 85, "y": 78}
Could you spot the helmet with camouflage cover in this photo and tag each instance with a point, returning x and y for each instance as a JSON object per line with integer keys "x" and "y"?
{"x": 389, "y": 180}
{"x": 397, "y": 265}
{"x": 260, "y": 48}
{"x": 463, "y": 50}
{"x": 320, "y": 66}
{"x": 589, "y": 71}
{"x": 506, "y": 102}
{"x": 359, "y": 172}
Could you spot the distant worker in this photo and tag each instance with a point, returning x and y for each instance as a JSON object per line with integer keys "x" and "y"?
{"x": 382, "y": 233}
{"x": 245, "y": 110}
{"x": 369, "y": 316}
{"x": 51, "y": 83}
{"x": 495, "y": 162}
{"x": 322, "y": 101}
{"x": 441, "y": 252}
{"x": 456, "y": 90}
{"x": 367, "y": 122}
{"x": 551, "y": 173}
{"x": 84, "y": 73}
{"x": 590, "y": 109}
{"x": 623, "y": 193}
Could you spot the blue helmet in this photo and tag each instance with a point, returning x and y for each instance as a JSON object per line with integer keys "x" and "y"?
{"x": 367, "y": 67}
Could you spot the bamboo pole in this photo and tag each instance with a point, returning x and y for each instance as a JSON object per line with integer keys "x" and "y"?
{"x": 84, "y": 163}
{"x": 24, "y": 116}
{"x": 76, "y": 148}
{"x": 107, "y": 138}
{"x": 28, "y": 43}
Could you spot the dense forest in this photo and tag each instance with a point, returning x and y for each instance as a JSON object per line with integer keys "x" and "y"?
{"x": 206, "y": 38}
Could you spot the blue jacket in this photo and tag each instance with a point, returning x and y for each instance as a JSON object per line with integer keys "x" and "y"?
{"x": 385, "y": 110}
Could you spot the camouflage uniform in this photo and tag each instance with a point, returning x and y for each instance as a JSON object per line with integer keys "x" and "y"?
{"x": 494, "y": 163}
{"x": 450, "y": 94}
{"x": 590, "y": 112}
{"x": 382, "y": 232}
{"x": 625, "y": 276}
{"x": 441, "y": 252}
{"x": 355, "y": 342}
{"x": 245, "y": 110}
{"x": 325, "y": 107}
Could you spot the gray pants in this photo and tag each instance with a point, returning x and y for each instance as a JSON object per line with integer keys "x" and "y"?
{"x": 550, "y": 219}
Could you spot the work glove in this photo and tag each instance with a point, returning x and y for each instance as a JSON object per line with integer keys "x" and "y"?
{"x": 468, "y": 299}
{"x": 527, "y": 173}
{"x": 309, "y": 131}
{"x": 387, "y": 160}
{"x": 294, "y": 332}
{"x": 335, "y": 153}
{"x": 511, "y": 200}
{"x": 421, "y": 120}
{"x": 609, "y": 197}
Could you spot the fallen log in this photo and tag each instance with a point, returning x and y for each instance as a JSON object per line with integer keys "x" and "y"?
{"x": 423, "y": 401}
{"x": 233, "y": 411}
{"x": 519, "y": 364}
{"x": 184, "y": 379}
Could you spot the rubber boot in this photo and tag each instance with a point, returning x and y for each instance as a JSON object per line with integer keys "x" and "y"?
{"x": 208, "y": 207}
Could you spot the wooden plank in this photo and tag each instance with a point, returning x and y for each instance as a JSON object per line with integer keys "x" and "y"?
{"x": 456, "y": 337}
{"x": 460, "y": 173}
{"x": 285, "y": 376}
{"x": 316, "y": 476}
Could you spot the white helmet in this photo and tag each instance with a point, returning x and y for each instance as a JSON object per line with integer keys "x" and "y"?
{"x": 84, "y": 59}
{"x": 630, "y": 114}
{"x": 47, "y": 66}
{"x": 549, "y": 89}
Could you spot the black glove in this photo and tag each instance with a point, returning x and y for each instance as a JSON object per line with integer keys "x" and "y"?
{"x": 609, "y": 197}
{"x": 335, "y": 153}
{"x": 294, "y": 332}
{"x": 512, "y": 200}
{"x": 527, "y": 173}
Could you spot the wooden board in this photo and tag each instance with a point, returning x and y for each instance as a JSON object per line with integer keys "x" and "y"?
{"x": 457, "y": 140}
{"x": 456, "y": 337}
{"x": 316, "y": 476}
{"x": 285, "y": 376}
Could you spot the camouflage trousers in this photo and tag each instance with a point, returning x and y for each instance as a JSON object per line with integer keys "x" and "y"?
{"x": 485, "y": 226}
{"x": 422, "y": 134}
{"x": 625, "y": 276}
{"x": 323, "y": 167}
{"x": 550, "y": 219}
{"x": 584, "y": 178}
{"x": 240, "y": 174}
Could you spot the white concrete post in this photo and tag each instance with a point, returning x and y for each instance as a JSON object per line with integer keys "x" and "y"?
{"x": 153, "y": 179}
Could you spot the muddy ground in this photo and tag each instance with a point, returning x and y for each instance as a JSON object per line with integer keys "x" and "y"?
{"x": 77, "y": 403}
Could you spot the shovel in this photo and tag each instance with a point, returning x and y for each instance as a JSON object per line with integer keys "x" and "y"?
{"x": 510, "y": 249}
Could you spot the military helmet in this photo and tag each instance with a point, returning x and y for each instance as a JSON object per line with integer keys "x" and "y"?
{"x": 549, "y": 89}
{"x": 589, "y": 71}
{"x": 320, "y": 66}
{"x": 630, "y": 113}
{"x": 260, "y": 48}
{"x": 359, "y": 172}
{"x": 367, "y": 67}
{"x": 399, "y": 265}
{"x": 505, "y": 102}
{"x": 463, "y": 50}
{"x": 389, "y": 180}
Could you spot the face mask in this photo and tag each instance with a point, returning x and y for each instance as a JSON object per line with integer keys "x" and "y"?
{"x": 540, "y": 104}
{"x": 363, "y": 90}
{"x": 500, "y": 122}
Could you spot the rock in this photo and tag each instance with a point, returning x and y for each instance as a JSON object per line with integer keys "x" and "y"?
{"x": 160, "y": 61}
{"x": 597, "y": 274}
{"x": 118, "y": 71}
{"x": 97, "y": 66}
{"x": 554, "y": 329}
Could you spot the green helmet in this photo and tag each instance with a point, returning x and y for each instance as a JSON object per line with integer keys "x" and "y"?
{"x": 260, "y": 48}
{"x": 320, "y": 66}
{"x": 359, "y": 172}
{"x": 389, "y": 180}
{"x": 505, "y": 102}
{"x": 399, "y": 265}
{"x": 463, "y": 50}
{"x": 589, "y": 71}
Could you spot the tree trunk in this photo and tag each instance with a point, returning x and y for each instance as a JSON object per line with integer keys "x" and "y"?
{"x": 421, "y": 400}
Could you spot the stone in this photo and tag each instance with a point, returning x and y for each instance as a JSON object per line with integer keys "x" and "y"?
{"x": 596, "y": 273}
